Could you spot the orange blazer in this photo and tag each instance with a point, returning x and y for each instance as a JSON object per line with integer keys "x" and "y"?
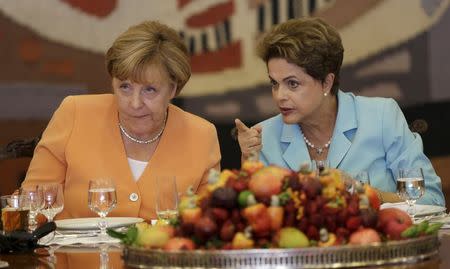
{"x": 83, "y": 141}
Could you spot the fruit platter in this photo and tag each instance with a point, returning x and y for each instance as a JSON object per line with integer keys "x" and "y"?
{"x": 272, "y": 217}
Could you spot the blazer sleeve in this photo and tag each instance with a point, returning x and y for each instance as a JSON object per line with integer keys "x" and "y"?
{"x": 49, "y": 159}
{"x": 405, "y": 149}
{"x": 213, "y": 160}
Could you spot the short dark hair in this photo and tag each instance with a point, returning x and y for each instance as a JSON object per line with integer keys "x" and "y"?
{"x": 310, "y": 43}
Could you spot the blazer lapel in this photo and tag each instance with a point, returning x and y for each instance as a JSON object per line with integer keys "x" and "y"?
{"x": 345, "y": 121}
{"x": 296, "y": 152}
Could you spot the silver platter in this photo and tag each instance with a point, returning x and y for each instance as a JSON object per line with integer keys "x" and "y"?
{"x": 394, "y": 252}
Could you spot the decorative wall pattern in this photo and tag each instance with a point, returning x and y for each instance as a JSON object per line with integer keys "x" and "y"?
{"x": 60, "y": 43}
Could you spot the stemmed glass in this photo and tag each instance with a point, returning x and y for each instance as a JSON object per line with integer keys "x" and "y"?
{"x": 166, "y": 198}
{"x": 362, "y": 176}
{"x": 53, "y": 200}
{"x": 410, "y": 187}
{"x": 53, "y": 204}
{"x": 102, "y": 199}
{"x": 319, "y": 166}
{"x": 104, "y": 256}
{"x": 34, "y": 201}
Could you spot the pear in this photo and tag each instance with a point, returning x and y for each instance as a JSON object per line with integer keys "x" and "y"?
{"x": 292, "y": 238}
{"x": 152, "y": 237}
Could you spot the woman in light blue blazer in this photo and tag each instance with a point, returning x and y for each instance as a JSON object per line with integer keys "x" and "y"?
{"x": 317, "y": 121}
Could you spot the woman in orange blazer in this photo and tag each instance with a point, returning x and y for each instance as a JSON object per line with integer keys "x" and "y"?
{"x": 132, "y": 136}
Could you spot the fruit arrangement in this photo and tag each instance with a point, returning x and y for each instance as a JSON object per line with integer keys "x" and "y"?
{"x": 273, "y": 207}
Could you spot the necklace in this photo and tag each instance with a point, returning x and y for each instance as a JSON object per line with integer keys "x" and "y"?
{"x": 151, "y": 140}
{"x": 319, "y": 150}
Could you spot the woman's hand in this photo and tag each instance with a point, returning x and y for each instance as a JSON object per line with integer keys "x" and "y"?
{"x": 249, "y": 139}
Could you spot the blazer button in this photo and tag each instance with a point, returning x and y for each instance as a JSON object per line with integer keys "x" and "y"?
{"x": 134, "y": 197}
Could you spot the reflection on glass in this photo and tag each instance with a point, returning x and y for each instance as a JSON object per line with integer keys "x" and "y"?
{"x": 34, "y": 201}
{"x": 410, "y": 187}
{"x": 102, "y": 199}
{"x": 53, "y": 200}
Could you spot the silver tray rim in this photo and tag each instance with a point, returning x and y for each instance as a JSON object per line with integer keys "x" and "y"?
{"x": 312, "y": 252}
{"x": 288, "y": 250}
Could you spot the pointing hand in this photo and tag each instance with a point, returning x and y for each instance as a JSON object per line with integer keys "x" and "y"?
{"x": 249, "y": 139}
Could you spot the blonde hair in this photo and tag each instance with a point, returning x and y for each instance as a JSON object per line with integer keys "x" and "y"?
{"x": 309, "y": 43}
{"x": 148, "y": 43}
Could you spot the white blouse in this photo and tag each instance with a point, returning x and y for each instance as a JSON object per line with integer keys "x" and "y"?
{"x": 137, "y": 168}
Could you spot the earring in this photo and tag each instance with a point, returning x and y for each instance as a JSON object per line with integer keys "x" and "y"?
{"x": 325, "y": 94}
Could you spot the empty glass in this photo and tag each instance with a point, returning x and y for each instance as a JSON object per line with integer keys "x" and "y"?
{"x": 102, "y": 199}
{"x": 166, "y": 198}
{"x": 410, "y": 187}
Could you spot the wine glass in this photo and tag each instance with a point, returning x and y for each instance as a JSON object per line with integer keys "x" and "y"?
{"x": 318, "y": 166}
{"x": 362, "y": 176}
{"x": 410, "y": 187}
{"x": 102, "y": 199}
{"x": 52, "y": 204}
{"x": 166, "y": 198}
{"x": 53, "y": 200}
{"x": 34, "y": 201}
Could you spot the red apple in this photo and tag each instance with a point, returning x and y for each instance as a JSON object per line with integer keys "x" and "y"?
{"x": 393, "y": 221}
{"x": 364, "y": 236}
{"x": 267, "y": 181}
{"x": 259, "y": 219}
{"x": 191, "y": 215}
{"x": 179, "y": 243}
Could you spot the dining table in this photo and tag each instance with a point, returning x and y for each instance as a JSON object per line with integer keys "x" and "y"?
{"x": 110, "y": 256}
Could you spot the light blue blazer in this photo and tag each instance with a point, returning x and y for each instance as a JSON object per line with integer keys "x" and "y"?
{"x": 371, "y": 134}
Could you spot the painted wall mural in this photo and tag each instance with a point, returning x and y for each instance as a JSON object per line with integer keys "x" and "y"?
{"x": 53, "y": 48}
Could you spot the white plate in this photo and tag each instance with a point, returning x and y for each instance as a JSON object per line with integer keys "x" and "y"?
{"x": 421, "y": 210}
{"x": 91, "y": 223}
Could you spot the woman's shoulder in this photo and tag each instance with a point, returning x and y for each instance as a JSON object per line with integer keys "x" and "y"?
{"x": 90, "y": 100}
{"x": 372, "y": 101}
{"x": 188, "y": 119}
{"x": 371, "y": 112}
{"x": 366, "y": 105}
{"x": 273, "y": 123}
{"x": 85, "y": 104}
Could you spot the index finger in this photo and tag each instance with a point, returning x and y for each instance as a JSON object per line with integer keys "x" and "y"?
{"x": 241, "y": 126}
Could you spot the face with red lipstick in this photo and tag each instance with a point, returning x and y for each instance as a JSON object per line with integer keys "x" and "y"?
{"x": 298, "y": 95}
{"x": 142, "y": 106}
